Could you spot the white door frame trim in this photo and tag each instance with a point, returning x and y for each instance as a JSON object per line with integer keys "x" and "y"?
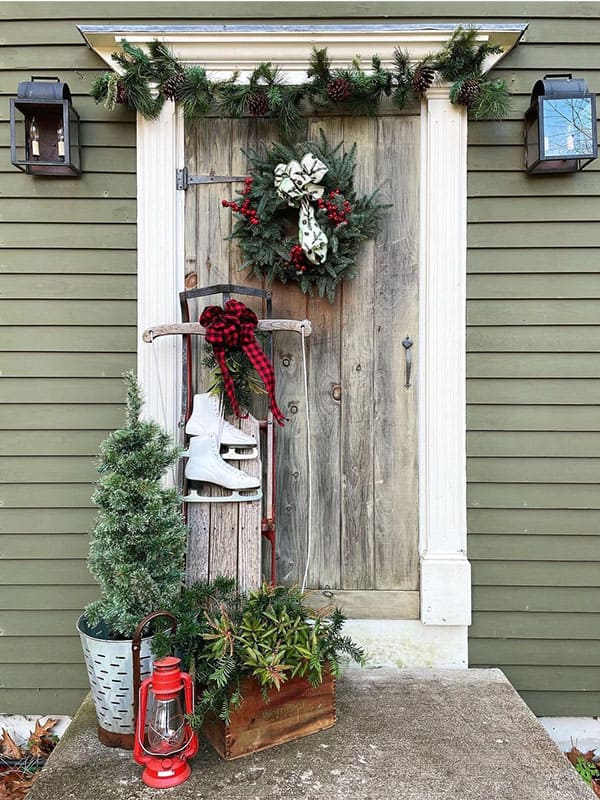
{"x": 445, "y": 582}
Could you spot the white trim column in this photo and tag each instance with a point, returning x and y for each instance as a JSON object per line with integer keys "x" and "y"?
{"x": 445, "y": 571}
{"x": 160, "y": 219}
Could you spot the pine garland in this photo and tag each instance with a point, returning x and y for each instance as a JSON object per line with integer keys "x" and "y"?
{"x": 267, "y": 227}
{"x": 460, "y": 63}
{"x": 150, "y": 78}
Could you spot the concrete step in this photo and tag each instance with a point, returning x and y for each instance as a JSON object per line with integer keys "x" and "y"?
{"x": 400, "y": 735}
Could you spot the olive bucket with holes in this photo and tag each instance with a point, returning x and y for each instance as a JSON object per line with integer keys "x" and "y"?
{"x": 116, "y": 668}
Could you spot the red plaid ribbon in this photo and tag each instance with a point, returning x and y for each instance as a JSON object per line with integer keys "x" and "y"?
{"x": 234, "y": 326}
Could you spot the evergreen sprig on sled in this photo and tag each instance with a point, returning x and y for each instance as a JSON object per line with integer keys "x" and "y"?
{"x": 246, "y": 381}
{"x": 300, "y": 218}
{"x": 150, "y": 78}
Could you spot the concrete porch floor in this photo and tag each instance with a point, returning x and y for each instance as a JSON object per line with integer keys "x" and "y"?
{"x": 400, "y": 735}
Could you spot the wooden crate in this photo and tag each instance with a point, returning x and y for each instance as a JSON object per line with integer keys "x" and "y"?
{"x": 298, "y": 709}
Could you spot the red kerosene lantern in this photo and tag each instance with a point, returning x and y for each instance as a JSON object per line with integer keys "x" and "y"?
{"x": 163, "y": 739}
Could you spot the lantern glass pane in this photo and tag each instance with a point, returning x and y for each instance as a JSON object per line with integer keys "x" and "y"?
{"x": 166, "y": 724}
{"x": 567, "y": 126}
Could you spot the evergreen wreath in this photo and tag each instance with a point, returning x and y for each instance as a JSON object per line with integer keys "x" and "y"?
{"x": 267, "y": 229}
{"x": 149, "y": 78}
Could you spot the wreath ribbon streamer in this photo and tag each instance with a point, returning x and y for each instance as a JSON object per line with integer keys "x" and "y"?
{"x": 234, "y": 326}
{"x": 298, "y": 183}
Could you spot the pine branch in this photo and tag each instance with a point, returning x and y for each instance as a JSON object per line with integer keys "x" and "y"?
{"x": 494, "y": 101}
{"x": 134, "y": 399}
{"x": 245, "y": 378}
{"x": 289, "y": 113}
{"x": 319, "y": 68}
{"x": 462, "y": 57}
{"x": 196, "y": 93}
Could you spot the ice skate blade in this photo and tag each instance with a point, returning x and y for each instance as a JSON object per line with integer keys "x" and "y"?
{"x": 235, "y": 497}
{"x": 239, "y": 453}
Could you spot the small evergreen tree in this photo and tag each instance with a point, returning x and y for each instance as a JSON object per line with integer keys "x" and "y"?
{"x": 137, "y": 547}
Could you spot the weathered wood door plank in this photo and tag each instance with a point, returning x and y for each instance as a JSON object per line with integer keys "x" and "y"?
{"x": 396, "y": 316}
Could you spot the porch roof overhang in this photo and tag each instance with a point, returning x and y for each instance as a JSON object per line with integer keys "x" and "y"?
{"x": 223, "y": 48}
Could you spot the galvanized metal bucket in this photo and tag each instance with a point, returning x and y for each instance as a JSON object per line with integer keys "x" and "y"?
{"x": 115, "y": 670}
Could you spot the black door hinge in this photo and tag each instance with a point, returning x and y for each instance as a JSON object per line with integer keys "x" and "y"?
{"x": 183, "y": 179}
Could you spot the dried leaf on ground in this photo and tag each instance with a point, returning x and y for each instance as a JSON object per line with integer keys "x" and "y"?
{"x": 8, "y": 746}
{"x": 14, "y": 785}
{"x": 45, "y": 728}
{"x": 41, "y": 742}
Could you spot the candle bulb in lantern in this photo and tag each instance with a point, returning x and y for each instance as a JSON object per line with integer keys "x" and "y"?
{"x": 34, "y": 137}
{"x": 60, "y": 135}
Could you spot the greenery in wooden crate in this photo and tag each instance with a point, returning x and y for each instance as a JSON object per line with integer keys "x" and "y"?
{"x": 150, "y": 78}
{"x": 137, "y": 547}
{"x": 270, "y": 634}
{"x": 267, "y": 228}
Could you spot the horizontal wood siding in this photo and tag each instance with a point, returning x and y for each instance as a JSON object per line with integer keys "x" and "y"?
{"x": 67, "y": 258}
{"x": 67, "y": 333}
{"x": 533, "y": 367}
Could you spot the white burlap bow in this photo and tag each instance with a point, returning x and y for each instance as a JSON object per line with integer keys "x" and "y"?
{"x": 297, "y": 182}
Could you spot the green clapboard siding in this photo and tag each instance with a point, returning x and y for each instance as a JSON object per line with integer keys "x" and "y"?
{"x": 533, "y": 366}
{"x": 67, "y": 331}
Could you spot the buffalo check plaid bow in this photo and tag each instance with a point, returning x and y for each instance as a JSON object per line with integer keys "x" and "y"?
{"x": 234, "y": 326}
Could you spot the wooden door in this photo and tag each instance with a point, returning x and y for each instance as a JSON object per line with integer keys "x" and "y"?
{"x": 364, "y": 526}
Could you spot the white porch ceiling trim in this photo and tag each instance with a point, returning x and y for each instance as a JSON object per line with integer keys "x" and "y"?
{"x": 221, "y": 49}
{"x": 445, "y": 572}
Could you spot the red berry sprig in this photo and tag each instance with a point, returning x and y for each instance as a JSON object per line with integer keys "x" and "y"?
{"x": 297, "y": 261}
{"x": 336, "y": 206}
{"x": 245, "y": 210}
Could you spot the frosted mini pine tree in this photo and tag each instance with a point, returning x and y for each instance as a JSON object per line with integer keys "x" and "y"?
{"x": 137, "y": 547}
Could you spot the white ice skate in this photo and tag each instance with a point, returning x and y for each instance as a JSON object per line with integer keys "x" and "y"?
{"x": 207, "y": 417}
{"x": 205, "y": 465}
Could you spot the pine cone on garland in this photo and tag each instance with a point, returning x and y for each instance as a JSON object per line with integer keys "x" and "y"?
{"x": 121, "y": 96}
{"x": 258, "y": 104}
{"x": 469, "y": 93}
{"x": 339, "y": 90}
{"x": 423, "y": 78}
{"x": 173, "y": 86}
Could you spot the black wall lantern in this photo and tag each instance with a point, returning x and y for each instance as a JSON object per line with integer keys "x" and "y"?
{"x": 44, "y": 129}
{"x": 560, "y": 126}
